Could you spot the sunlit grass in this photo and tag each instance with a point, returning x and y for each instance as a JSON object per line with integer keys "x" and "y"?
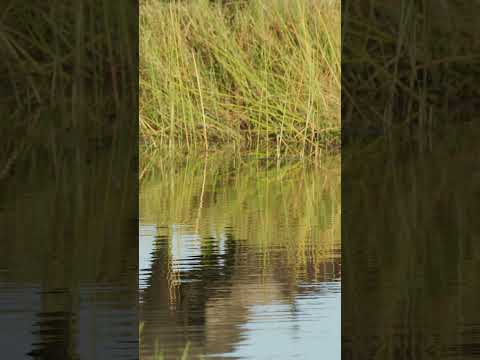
{"x": 258, "y": 76}
{"x": 158, "y": 354}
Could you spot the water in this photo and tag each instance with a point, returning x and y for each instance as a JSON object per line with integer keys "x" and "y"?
{"x": 241, "y": 261}
{"x": 411, "y": 253}
{"x": 68, "y": 264}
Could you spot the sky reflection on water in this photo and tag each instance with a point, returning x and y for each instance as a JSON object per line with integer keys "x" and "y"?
{"x": 263, "y": 283}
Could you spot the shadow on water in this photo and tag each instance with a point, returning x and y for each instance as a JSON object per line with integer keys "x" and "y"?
{"x": 410, "y": 248}
{"x": 240, "y": 261}
{"x": 68, "y": 264}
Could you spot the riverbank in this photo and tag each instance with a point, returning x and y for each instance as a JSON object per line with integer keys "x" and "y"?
{"x": 256, "y": 78}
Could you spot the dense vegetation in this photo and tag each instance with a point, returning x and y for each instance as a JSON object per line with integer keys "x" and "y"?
{"x": 258, "y": 76}
{"x": 408, "y": 65}
{"x": 69, "y": 74}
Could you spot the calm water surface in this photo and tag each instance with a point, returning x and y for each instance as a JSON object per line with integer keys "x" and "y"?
{"x": 411, "y": 250}
{"x": 242, "y": 261}
{"x": 68, "y": 265}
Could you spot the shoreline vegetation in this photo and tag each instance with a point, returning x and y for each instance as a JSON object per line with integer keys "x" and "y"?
{"x": 69, "y": 92}
{"x": 255, "y": 77}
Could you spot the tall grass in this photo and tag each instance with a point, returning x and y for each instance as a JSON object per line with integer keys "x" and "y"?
{"x": 258, "y": 76}
{"x": 69, "y": 73}
{"x": 408, "y": 64}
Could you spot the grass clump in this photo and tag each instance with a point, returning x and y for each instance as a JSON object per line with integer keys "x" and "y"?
{"x": 69, "y": 74}
{"x": 259, "y": 76}
{"x": 408, "y": 65}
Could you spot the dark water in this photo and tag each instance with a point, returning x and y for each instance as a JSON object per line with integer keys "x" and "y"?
{"x": 411, "y": 250}
{"x": 68, "y": 263}
{"x": 240, "y": 261}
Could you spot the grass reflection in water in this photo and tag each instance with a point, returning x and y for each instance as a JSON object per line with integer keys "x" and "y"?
{"x": 237, "y": 244}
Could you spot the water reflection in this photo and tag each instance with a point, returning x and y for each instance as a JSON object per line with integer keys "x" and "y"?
{"x": 411, "y": 276}
{"x": 68, "y": 263}
{"x": 238, "y": 261}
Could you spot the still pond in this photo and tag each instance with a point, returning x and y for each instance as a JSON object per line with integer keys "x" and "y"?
{"x": 240, "y": 260}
